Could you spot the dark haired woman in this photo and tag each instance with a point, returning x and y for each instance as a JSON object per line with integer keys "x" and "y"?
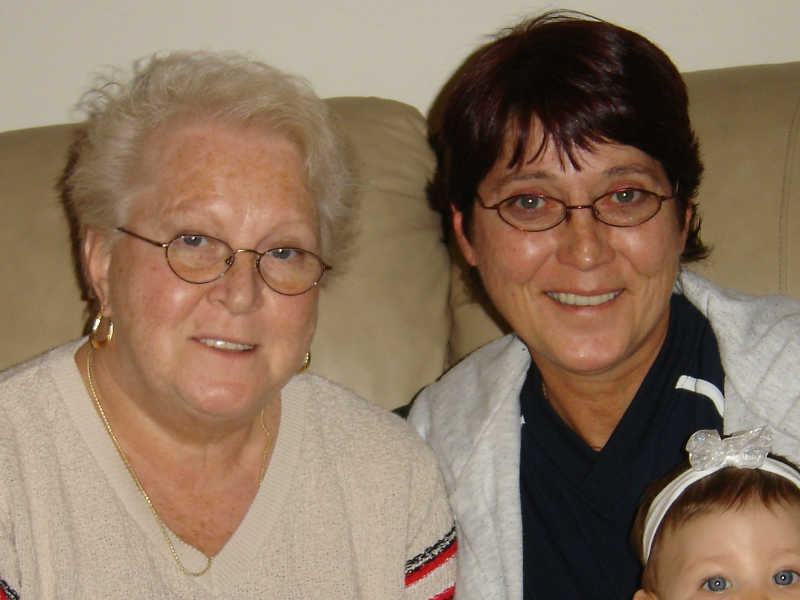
{"x": 567, "y": 172}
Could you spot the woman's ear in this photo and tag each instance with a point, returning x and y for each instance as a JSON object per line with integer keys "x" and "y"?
{"x": 644, "y": 595}
{"x": 462, "y": 236}
{"x": 96, "y": 251}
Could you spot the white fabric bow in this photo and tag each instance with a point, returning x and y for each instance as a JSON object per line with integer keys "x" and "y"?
{"x": 707, "y": 455}
{"x": 744, "y": 449}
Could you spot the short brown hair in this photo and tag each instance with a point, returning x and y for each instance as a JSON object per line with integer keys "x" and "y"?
{"x": 585, "y": 81}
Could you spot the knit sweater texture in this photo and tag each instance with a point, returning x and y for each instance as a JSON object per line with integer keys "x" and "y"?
{"x": 471, "y": 419}
{"x": 351, "y": 505}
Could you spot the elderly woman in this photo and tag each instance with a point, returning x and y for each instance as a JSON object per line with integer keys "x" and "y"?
{"x": 567, "y": 170}
{"x": 176, "y": 452}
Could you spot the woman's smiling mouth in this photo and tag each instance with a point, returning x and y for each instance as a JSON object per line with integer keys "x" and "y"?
{"x": 224, "y": 345}
{"x": 579, "y": 300}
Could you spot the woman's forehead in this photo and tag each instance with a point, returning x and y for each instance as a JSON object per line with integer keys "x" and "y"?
{"x": 197, "y": 166}
{"x": 543, "y": 158}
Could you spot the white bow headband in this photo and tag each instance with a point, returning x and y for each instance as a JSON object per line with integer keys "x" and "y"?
{"x": 708, "y": 454}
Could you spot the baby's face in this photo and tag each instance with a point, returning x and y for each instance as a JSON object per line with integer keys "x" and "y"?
{"x": 748, "y": 552}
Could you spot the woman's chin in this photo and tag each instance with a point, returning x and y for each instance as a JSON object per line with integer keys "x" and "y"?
{"x": 579, "y": 359}
{"x": 223, "y": 401}
{"x": 589, "y": 367}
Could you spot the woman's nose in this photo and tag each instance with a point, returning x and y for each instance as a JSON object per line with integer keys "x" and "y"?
{"x": 241, "y": 289}
{"x": 584, "y": 240}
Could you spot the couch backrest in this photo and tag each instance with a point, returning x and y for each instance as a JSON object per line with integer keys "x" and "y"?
{"x": 748, "y": 122}
{"x": 399, "y": 313}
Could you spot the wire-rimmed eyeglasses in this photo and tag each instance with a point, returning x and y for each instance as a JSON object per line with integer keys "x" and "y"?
{"x": 620, "y": 208}
{"x": 198, "y": 258}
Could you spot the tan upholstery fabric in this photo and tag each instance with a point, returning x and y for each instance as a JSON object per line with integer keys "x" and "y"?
{"x": 389, "y": 320}
{"x": 41, "y": 304}
{"x": 384, "y": 324}
{"x": 748, "y": 122}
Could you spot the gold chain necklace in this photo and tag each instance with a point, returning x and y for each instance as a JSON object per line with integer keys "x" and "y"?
{"x": 98, "y": 405}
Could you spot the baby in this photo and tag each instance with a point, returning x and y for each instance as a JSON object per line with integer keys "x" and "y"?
{"x": 727, "y": 526}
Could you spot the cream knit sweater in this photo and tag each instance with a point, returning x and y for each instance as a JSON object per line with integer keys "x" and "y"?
{"x": 352, "y": 505}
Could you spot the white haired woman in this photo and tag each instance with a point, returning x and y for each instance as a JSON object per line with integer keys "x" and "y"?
{"x": 176, "y": 452}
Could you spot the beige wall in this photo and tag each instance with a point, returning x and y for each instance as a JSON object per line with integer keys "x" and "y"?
{"x": 398, "y": 49}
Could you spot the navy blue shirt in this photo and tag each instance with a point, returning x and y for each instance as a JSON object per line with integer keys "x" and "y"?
{"x": 578, "y": 505}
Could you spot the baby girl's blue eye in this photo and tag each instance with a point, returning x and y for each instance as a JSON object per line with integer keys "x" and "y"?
{"x": 786, "y": 577}
{"x": 716, "y": 584}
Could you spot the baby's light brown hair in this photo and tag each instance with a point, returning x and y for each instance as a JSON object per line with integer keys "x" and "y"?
{"x": 728, "y": 488}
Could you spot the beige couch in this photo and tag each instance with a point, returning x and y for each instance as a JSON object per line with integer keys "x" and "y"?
{"x": 401, "y": 313}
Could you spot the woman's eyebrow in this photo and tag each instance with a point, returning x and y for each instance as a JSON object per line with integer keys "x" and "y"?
{"x": 538, "y": 175}
{"x": 544, "y": 174}
{"x": 630, "y": 169}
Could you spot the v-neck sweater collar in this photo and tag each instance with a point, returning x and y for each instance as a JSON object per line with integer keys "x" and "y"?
{"x": 232, "y": 562}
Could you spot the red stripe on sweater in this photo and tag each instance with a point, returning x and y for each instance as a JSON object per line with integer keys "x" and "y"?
{"x": 448, "y": 594}
{"x": 6, "y": 593}
{"x": 435, "y": 563}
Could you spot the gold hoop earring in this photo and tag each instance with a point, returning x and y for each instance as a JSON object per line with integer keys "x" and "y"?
{"x": 306, "y": 362}
{"x": 97, "y": 341}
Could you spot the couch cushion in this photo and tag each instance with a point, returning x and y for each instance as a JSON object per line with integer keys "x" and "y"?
{"x": 384, "y": 324}
{"x": 748, "y": 123}
{"x": 41, "y": 304}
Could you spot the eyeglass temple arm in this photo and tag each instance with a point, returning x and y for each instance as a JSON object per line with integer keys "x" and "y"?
{"x": 144, "y": 239}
